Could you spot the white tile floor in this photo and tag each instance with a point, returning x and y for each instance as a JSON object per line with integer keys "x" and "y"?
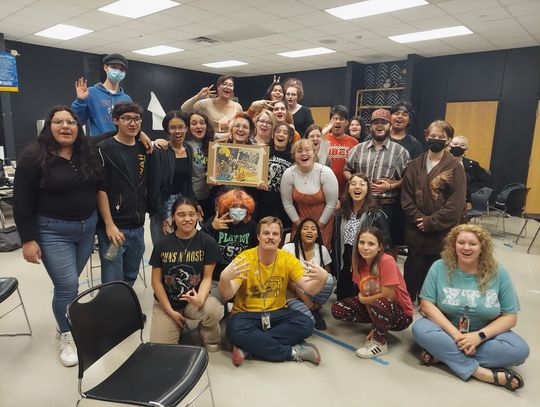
{"x": 31, "y": 373}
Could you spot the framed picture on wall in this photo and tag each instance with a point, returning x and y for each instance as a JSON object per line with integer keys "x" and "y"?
{"x": 237, "y": 164}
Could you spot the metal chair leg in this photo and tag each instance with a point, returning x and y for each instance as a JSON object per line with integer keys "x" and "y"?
{"x": 533, "y": 239}
{"x": 21, "y": 304}
{"x": 521, "y": 231}
{"x": 143, "y": 274}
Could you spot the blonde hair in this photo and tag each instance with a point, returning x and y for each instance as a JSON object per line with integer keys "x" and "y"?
{"x": 303, "y": 142}
{"x": 487, "y": 265}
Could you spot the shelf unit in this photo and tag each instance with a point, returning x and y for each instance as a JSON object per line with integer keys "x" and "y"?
{"x": 363, "y": 94}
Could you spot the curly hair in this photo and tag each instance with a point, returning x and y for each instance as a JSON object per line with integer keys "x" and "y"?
{"x": 369, "y": 203}
{"x": 297, "y": 84}
{"x": 487, "y": 265}
{"x": 290, "y": 133}
{"x": 44, "y": 148}
{"x": 245, "y": 116}
{"x": 235, "y": 197}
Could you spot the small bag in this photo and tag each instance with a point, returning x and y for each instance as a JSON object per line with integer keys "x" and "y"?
{"x": 9, "y": 239}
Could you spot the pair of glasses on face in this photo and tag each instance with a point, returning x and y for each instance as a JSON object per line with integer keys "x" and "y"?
{"x": 129, "y": 120}
{"x": 174, "y": 129}
{"x": 264, "y": 122}
{"x": 304, "y": 150}
{"x": 60, "y": 122}
{"x": 291, "y": 94}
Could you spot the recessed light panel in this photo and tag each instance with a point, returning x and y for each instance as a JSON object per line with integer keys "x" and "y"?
{"x": 225, "y": 64}
{"x": 306, "y": 52}
{"x": 63, "y": 32}
{"x": 372, "y": 7}
{"x": 137, "y": 8}
{"x": 158, "y": 50}
{"x": 431, "y": 34}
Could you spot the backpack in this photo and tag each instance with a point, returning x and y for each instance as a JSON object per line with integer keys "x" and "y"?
{"x": 9, "y": 239}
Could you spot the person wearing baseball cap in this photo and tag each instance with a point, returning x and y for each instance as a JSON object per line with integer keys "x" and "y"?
{"x": 94, "y": 104}
{"x": 381, "y": 159}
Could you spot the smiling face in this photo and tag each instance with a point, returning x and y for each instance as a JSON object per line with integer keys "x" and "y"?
{"x": 380, "y": 129}
{"x": 308, "y": 233}
{"x": 468, "y": 249}
{"x": 240, "y": 131}
{"x": 400, "y": 120}
{"x": 64, "y": 128}
{"x": 185, "y": 218}
{"x": 226, "y": 89}
{"x": 264, "y": 126}
{"x": 197, "y": 126}
{"x": 177, "y": 131}
{"x": 129, "y": 124}
{"x": 355, "y": 128}
{"x": 358, "y": 189}
{"x": 280, "y": 111}
{"x": 277, "y": 93}
{"x": 304, "y": 156}
{"x": 368, "y": 247}
{"x": 269, "y": 236}
{"x": 291, "y": 96}
{"x": 281, "y": 137}
{"x": 315, "y": 136}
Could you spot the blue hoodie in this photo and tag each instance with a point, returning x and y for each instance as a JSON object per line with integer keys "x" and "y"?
{"x": 97, "y": 108}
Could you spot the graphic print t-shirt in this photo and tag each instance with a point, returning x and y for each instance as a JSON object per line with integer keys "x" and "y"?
{"x": 338, "y": 152}
{"x": 181, "y": 265}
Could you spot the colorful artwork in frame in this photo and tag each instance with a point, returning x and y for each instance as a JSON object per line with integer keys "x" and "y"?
{"x": 237, "y": 164}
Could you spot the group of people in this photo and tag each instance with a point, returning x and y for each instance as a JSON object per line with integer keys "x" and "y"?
{"x": 348, "y": 201}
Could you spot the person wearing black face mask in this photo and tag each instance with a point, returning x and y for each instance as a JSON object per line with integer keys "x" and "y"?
{"x": 433, "y": 199}
{"x": 477, "y": 177}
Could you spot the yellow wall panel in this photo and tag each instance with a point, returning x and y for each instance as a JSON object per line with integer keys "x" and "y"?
{"x": 320, "y": 115}
{"x": 476, "y": 121}
{"x": 533, "y": 179}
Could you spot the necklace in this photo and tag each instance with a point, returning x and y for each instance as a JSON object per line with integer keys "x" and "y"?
{"x": 182, "y": 244}
{"x": 304, "y": 175}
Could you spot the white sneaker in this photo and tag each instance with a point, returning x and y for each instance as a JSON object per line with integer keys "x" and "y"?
{"x": 68, "y": 350}
{"x": 372, "y": 349}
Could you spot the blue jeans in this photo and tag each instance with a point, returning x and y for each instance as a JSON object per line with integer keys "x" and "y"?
{"x": 319, "y": 299}
{"x": 125, "y": 267}
{"x": 65, "y": 248}
{"x": 288, "y": 328}
{"x": 504, "y": 350}
{"x": 156, "y": 231}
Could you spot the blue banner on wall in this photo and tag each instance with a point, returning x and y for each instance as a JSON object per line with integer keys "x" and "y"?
{"x": 9, "y": 82}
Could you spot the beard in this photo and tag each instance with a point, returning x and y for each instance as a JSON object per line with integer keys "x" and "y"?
{"x": 382, "y": 137}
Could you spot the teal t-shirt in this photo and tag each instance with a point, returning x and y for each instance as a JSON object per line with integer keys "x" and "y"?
{"x": 451, "y": 297}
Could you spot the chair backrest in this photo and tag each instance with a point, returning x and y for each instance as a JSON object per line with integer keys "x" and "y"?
{"x": 515, "y": 204}
{"x": 101, "y": 322}
{"x": 480, "y": 198}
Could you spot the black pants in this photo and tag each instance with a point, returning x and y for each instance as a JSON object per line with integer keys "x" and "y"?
{"x": 345, "y": 286}
{"x": 415, "y": 271}
{"x": 397, "y": 223}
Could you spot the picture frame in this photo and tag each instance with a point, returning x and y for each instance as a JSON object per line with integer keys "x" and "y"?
{"x": 242, "y": 165}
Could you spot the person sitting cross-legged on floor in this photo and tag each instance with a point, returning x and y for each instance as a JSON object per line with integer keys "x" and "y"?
{"x": 261, "y": 325}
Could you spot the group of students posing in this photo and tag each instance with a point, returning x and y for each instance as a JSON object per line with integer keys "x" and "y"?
{"x": 340, "y": 198}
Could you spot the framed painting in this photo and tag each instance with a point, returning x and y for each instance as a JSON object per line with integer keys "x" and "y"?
{"x": 237, "y": 164}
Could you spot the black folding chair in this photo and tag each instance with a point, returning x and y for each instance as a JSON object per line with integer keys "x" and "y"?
{"x": 8, "y": 285}
{"x": 479, "y": 203}
{"x": 154, "y": 374}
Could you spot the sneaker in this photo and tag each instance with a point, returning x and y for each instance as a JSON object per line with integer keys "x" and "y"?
{"x": 320, "y": 323}
{"x": 238, "y": 355}
{"x": 68, "y": 351}
{"x": 372, "y": 349}
{"x": 306, "y": 352}
{"x": 212, "y": 347}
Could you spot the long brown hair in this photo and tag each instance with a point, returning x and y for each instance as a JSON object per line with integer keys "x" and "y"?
{"x": 369, "y": 204}
{"x": 487, "y": 265}
{"x": 358, "y": 261}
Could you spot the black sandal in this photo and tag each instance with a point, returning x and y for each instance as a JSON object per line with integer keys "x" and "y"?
{"x": 426, "y": 358}
{"x": 509, "y": 375}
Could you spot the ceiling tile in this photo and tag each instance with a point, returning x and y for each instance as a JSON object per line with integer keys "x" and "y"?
{"x": 461, "y": 6}
{"x": 288, "y": 8}
{"x": 524, "y": 9}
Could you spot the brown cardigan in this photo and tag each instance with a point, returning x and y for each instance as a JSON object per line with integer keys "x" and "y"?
{"x": 437, "y": 197}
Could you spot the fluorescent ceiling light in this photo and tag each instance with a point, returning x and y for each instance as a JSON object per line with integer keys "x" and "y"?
{"x": 158, "y": 50}
{"x": 137, "y": 8}
{"x": 225, "y": 64}
{"x": 373, "y": 7}
{"x": 431, "y": 34}
{"x": 63, "y": 32}
{"x": 306, "y": 52}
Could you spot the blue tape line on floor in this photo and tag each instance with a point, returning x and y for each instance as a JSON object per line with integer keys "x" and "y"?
{"x": 346, "y": 346}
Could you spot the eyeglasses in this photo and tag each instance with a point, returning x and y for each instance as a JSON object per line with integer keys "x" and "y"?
{"x": 241, "y": 126}
{"x": 174, "y": 129}
{"x": 291, "y": 94}
{"x": 227, "y": 85}
{"x": 60, "y": 122}
{"x": 129, "y": 119}
{"x": 261, "y": 122}
{"x": 304, "y": 150}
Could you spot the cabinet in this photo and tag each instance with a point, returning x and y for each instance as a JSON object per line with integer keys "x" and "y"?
{"x": 368, "y": 100}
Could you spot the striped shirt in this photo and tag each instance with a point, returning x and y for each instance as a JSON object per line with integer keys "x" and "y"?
{"x": 388, "y": 162}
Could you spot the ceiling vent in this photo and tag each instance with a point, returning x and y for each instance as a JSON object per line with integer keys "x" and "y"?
{"x": 204, "y": 40}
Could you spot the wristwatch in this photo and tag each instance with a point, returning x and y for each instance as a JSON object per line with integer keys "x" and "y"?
{"x": 482, "y": 336}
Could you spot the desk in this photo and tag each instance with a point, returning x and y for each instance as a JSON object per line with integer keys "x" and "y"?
{"x": 5, "y": 194}
{"x": 528, "y": 216}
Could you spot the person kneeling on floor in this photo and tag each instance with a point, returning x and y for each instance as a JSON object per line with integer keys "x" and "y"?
{"x": 261, "y": 325}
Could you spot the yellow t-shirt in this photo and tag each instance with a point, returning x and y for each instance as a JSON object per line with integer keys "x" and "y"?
{"x": 252, "y": 296}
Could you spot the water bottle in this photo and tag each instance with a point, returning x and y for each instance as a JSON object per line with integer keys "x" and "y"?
{"x": 112, "y": 251}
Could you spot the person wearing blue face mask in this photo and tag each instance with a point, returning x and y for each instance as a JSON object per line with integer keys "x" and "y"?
{"x": 233, "y": 228}
{"x": 94, "y": 104}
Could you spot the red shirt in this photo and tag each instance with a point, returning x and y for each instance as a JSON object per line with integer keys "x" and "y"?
{"x": 389, "y": 275}
{"x": 338, "y": 152}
